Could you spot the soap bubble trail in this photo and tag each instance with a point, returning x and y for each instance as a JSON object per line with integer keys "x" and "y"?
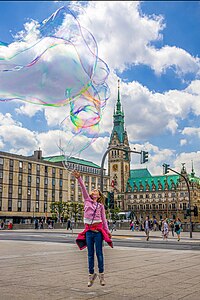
{"x": 56, "y": 64}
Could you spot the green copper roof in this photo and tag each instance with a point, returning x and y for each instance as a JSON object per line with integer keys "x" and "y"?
{"x": 142, "y": 177}
{"x": 138, "y": 173}
{"x": 60, "y": 158}
{"x": 193, "y": 178}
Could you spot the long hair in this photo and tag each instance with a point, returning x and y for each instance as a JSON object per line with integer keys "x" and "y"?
{"x": 101, "y": 199}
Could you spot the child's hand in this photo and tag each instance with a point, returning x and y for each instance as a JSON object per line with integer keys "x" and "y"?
{"x": 76, "y": 174}
{"x": 110, "y": 235}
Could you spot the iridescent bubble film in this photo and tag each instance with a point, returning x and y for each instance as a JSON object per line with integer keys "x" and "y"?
{"x": 56, "y": 63}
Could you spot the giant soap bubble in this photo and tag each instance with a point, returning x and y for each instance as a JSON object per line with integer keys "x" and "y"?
{"x": 56, "y": 64}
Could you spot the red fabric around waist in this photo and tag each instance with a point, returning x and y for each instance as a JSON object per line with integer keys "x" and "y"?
{"x": 81, "y": 239}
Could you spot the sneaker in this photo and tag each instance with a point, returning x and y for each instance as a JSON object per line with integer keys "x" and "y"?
{"x": 101, "y": 277}
{"x": 91, "y": 279}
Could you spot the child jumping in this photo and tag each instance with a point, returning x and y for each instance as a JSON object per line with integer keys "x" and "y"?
{"x": 96, "y": 230}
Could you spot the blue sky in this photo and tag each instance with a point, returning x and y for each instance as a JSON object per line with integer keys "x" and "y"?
{"x": 153, "y": 48}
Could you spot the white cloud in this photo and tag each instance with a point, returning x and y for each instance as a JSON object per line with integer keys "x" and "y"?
{"x": 157, "y": 156}
{"x": 55, "y": 115}
{"x": 49, "y": 142}
{"x": 172, "y": 126}
{"x": 149, "y": 114}
{"x": 183, "y": 142}
{"x": 121, "y": 28}
{"x": 191, "y": 131}
{"x": 167, "y": 57}
{"x": 28, "y": 109}
{"x": 18, "y": 138}
{"x": 8, "y": 120}
{"x": 1, "y": 144}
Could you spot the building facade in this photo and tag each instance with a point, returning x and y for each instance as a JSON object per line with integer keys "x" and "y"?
{"x": 28, "y": 185}
{"x": 162, "y": 196}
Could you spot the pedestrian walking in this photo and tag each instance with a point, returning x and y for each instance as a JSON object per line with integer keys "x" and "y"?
{"x": 177, "y": 228}
{"x": 165, "y": 229}
{"x": 36, "y": 223}
{"x": 52, "y": 224}
{"x": 41, "y": 224}
{"x": 131, "y": 225}
{"x": 160, "y": 225}
{"x": 147, "y": 227}
{"x": 96, "y": 230}
{"x": 10, "y": 225}
{"x": 69, "y": 226}
{"x": 49, "y": 223}
{"x": 155, "y": 224}
{"x": 2, "y": 225}
{"x": 114, "y": 226}
{"x": 137, "y": 225}
{"x": 172, "y": 227}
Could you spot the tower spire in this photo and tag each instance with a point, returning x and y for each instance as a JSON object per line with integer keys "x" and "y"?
{"x": 192, "y": 173}
{"x": 118, "y": 99}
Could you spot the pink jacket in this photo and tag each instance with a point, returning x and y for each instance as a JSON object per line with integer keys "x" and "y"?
{"x": 90, "y": 206}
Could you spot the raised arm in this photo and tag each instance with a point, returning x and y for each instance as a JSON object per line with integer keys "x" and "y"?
{"x": 86, "y": 196}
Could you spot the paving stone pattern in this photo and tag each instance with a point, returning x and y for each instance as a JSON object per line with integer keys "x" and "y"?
{"x": 56, "y": 271}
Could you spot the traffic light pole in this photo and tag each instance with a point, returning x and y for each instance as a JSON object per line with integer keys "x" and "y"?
{"x": 189, "y": 196}
{"x": 103, "y": 161}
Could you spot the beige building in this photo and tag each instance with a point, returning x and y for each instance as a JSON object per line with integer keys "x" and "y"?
{"x": 28, "y": 185}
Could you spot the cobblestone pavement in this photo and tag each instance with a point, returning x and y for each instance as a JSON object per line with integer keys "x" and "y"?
{"x": 40, "y": 270}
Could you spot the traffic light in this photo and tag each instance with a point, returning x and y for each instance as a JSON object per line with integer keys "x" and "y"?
{"x": 144, "y": 156}
{"x": 165, "y": 168}
{"x": 195, "y": 211}
{"x": 188, "y": 212}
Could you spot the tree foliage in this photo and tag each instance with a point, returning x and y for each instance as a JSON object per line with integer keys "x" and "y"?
{"x": 67, "y": 210}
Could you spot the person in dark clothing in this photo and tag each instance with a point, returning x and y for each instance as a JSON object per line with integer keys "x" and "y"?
{"x": 69, "y": 226}
{"x": 36, "y": 223}
{"x": 172, "y": 227}
{"x": 41, "y": 224}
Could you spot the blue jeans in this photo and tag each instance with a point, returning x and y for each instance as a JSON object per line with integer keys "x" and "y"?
{"x": 95, "y": 238}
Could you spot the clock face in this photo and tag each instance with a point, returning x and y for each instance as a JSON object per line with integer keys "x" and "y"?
{"x": 115, "y": 167}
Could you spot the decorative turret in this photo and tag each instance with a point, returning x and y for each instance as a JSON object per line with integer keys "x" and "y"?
{"x": 192, "y": 173}
{"x": 183, "y": 170}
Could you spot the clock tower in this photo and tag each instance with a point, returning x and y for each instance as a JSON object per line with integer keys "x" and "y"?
{"x": 119, "y": 161}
